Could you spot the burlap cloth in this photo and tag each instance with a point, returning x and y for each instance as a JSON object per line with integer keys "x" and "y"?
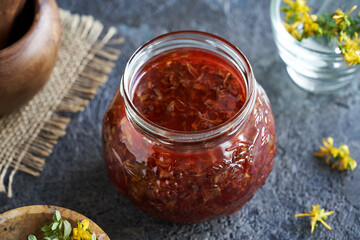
{"x": 28, "y": 136}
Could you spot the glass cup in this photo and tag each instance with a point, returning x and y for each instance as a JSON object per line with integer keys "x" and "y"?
{"x": 312, "y": 64}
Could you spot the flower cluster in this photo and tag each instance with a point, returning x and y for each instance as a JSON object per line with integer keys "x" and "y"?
{"x": 350, "y": 48}
{"x": 341, "y": 155}
{"x": 342, "y": 27}
{"x": 316, "y": 214}
{"x": 297, "y": 15}
{"x": 82, "y": 232}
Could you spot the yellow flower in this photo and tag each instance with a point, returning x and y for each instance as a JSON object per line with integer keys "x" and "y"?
{"x": 352, "y": 58}
{"x": 310, "y": 26}
{"x": 298, "y": 5}
{"x": 82, "y": 232}
{"x": 350, "y": 48}
{"x": 292, "y": 29}
{"x": 327, "y": 149}
{"x": 349, "y": 43}
{"x": 297, "y": 8}
{"x": 340, "y": 15}
{"x": 345, "y": 163}
{"x": 341, "y": 154}
{"x": 316, "y": 214}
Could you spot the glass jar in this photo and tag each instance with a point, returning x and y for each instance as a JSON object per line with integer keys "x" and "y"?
{"x": 314, "y": 65}
{"x": 189, "y": 176}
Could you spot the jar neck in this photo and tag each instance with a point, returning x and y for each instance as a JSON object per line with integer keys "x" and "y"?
{"x": 180, "y": 40}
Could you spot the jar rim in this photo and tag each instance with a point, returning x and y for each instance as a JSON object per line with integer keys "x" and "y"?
{"x": 174, "y": 40}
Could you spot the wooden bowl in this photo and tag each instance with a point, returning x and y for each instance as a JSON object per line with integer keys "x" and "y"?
{"x": 31, "y": 53}
{"x": 9, "y": 11}
{"x": 18, "y": 223}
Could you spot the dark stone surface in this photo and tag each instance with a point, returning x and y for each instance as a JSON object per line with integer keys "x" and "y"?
{"x": 74, "y": 175}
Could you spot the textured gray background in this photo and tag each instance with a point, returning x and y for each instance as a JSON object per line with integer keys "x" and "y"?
{"x": 75, "y": 177}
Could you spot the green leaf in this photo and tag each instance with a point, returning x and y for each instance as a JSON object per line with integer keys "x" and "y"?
{"x": 45, "y": 228}
{"x": 57, "y": 215}
{"x": 285, "y": 8}
{"x": 54, "y": 225}
{"x": 67, "y": 229}
{"x": 31, "y": 237}
{"x": 47, "y": 238}
{"x": 351, "y": 165}
{"x": 54, "y": 236}
{"x": 60, "y": 224}
{"x": 93, "y": 236}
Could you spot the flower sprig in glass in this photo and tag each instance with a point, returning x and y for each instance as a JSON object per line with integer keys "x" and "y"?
{"x": 338, "y": 26}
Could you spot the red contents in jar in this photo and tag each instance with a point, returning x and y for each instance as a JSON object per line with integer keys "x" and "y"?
{"x": 189, "y": 90}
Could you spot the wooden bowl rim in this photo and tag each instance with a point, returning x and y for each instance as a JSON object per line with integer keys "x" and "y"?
{"x": 37, "y": 17}
{"x": 48, "y": 209}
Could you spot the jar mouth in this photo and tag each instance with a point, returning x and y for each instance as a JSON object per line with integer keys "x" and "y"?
{"x": 180, "y": 40}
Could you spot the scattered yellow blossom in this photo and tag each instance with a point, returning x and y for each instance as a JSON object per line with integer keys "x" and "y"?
{"x": 327, "y": 149}
{"x": 341, "y": 155}
{"x": 82, "y": 232}
{"x": 316, "y": 214}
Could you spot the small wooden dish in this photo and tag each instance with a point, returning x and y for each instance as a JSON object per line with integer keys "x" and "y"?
{"x": 18, "y": 223}
{"x": 30, "y": 53}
